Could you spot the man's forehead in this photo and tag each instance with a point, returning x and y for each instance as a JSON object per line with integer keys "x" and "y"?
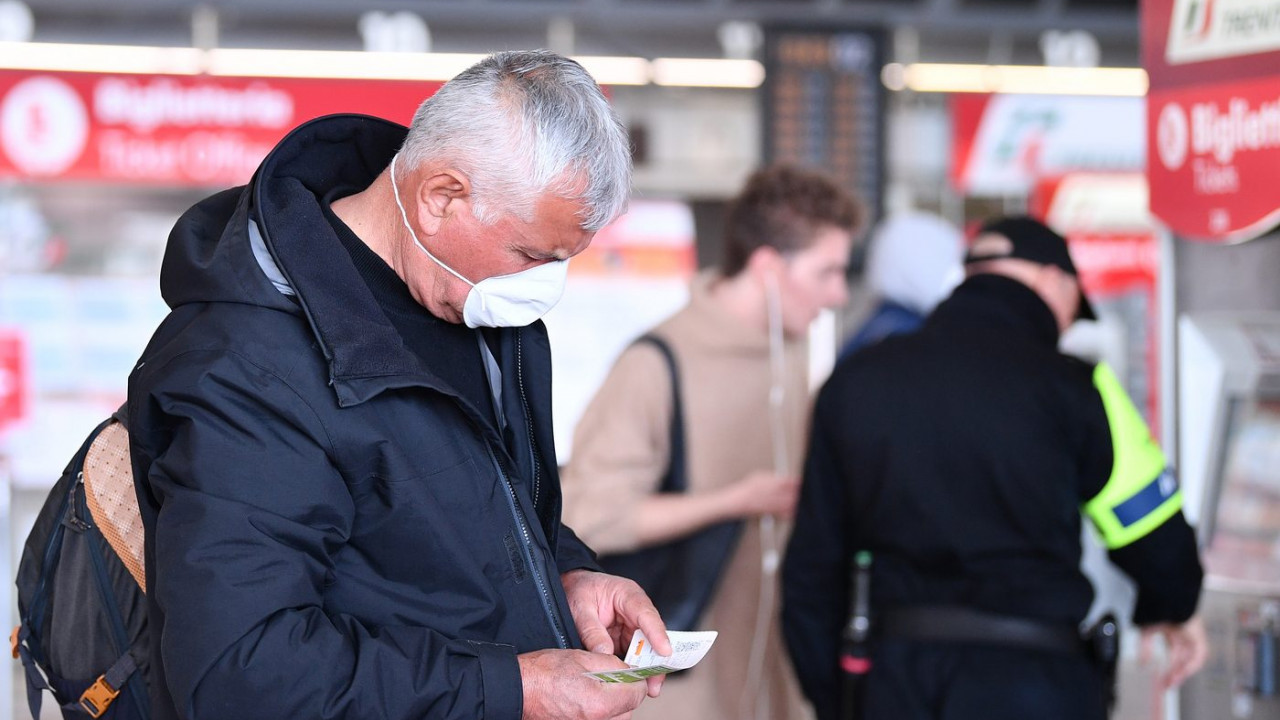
{"x": 556, "y": 229}
{"x": 990, "y": 244}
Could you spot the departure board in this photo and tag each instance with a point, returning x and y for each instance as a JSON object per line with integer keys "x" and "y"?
{"x": 824, "y": 104}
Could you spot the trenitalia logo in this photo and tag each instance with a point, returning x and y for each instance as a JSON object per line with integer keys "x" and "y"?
{"x": 1197, "y": 19}
{"x": 1212, "y": 29}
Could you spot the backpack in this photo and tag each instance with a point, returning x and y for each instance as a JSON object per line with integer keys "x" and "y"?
{"x": 83, "y": 632}
{"x": 680, "y": 576}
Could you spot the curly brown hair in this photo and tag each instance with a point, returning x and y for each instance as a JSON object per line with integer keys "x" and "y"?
{"x": 784, "y": 207}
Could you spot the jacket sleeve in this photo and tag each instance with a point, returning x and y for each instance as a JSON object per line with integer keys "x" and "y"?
{"x": 814, "y": 571}
{"x": 1138, "y": 511}
{"x": 1165, "y": 567}
{"x": 249, "y": 513}
{"x": 573, "y": 554}
{"x": 621, "y": 447}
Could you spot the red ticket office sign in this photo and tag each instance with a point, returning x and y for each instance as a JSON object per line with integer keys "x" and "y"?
{"x": 1214, "y": 159}
{"x": 171, "y": 129}
{"x": 1213, "y": 116}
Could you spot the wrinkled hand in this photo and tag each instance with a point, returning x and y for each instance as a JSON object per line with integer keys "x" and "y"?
{"x": 1186, "y": 645}
{"x": 607, "y": 611}
{"x": 765, "y": 493}
{"x": 555, "y": 687}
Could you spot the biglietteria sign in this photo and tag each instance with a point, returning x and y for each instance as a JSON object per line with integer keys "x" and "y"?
{"x": 170, "y": 129}
{"x": 1213, "y": 115}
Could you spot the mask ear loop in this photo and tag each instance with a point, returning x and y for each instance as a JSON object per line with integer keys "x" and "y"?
{"x": 770, "y": 555}
{"x": 404, "y": 216}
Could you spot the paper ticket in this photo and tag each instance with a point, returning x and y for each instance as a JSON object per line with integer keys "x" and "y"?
{"x": 688, "y": 649}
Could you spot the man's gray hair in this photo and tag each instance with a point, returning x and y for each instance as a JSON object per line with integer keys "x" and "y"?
{"x": 521, "y": 124}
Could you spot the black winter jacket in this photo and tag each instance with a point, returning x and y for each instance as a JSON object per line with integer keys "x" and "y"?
{"x": 331, "y": 530}
{"x": 961, "y": 455}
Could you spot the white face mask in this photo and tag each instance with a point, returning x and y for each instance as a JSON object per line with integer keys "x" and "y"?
{"x": 513, "y": 300}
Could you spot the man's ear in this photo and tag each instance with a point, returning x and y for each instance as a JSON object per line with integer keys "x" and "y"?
{"x": 765, "y": 261}
{"x": 443, "y": 193}
{"x": 1057, "y": 276}
{"x": 1069, "y": 288}
{"x": 1043, "y": 280}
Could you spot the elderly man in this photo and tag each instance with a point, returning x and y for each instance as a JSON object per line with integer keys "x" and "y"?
{"x": 961, "y": 457}
{"x": 341, "y": 433}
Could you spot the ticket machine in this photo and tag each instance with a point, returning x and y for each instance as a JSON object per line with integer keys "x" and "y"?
{"x": 1229, "y": 462}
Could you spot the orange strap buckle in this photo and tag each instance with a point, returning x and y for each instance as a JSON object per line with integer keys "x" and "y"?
{"x": 98, "y": 697}
{"x": 13, "y": 641}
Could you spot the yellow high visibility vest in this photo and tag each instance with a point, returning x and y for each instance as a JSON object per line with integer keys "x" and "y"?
{"x": 1141, "y": 493}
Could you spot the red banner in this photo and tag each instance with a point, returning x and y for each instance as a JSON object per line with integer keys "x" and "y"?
{"x": 1115, "y": 263}
{"x": 170, "y": 129}
{"x": 1213, "y": 116}
{"x": 13, "y": 378}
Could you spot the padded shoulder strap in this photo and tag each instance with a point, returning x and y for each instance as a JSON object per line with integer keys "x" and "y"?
{"x": 112, "y": 500}
{"x": 676, "y": 478}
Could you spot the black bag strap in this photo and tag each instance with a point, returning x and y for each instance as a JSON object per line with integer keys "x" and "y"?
{"x": 676, "y": 479}
{"x": 681, "y": 575}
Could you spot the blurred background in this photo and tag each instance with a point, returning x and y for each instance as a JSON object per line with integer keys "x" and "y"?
{"x": 117, "y": 115}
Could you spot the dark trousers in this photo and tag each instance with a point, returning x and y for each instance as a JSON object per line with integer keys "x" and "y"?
{"x": 918, "y": 681}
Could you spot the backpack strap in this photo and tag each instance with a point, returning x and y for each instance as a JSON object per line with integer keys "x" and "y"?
{"x": 98, "y": 697}
{"x": 112, "y": 500}
{"x": 94, "y": 700}
{"x": 36, "y": 683}
{"x": 676, "y": 479}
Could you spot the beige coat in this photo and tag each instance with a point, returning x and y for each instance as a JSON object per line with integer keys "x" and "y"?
{"x": 620, "y": 451}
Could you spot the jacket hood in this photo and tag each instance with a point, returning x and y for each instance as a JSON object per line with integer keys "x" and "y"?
{"x": 1000, "y": 302}
{"x": 210, "y": 255}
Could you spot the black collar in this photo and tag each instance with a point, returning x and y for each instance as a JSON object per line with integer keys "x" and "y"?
{"x": 998, "y": 300}
{"x": 365, "y": 351}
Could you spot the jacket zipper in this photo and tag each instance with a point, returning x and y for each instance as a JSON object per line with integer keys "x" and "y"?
{"x": 528, "y": 417}
{"x": 527, "y": 546}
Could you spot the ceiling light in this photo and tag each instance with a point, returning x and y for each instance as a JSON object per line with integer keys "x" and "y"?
{"x": 705, "y": 72}
{"x": 616, "y": 70}
{"x": 337, "y": 64}
{"x": 1015, "y": 79}
{"x": 69, "y": 57}
{"x": 343, "y": 64}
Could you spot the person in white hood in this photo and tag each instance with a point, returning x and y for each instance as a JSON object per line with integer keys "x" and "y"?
{"x": 913, "y": 263}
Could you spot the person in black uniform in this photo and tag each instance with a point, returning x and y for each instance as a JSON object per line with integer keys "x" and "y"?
{"x": 962, "y": 458}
